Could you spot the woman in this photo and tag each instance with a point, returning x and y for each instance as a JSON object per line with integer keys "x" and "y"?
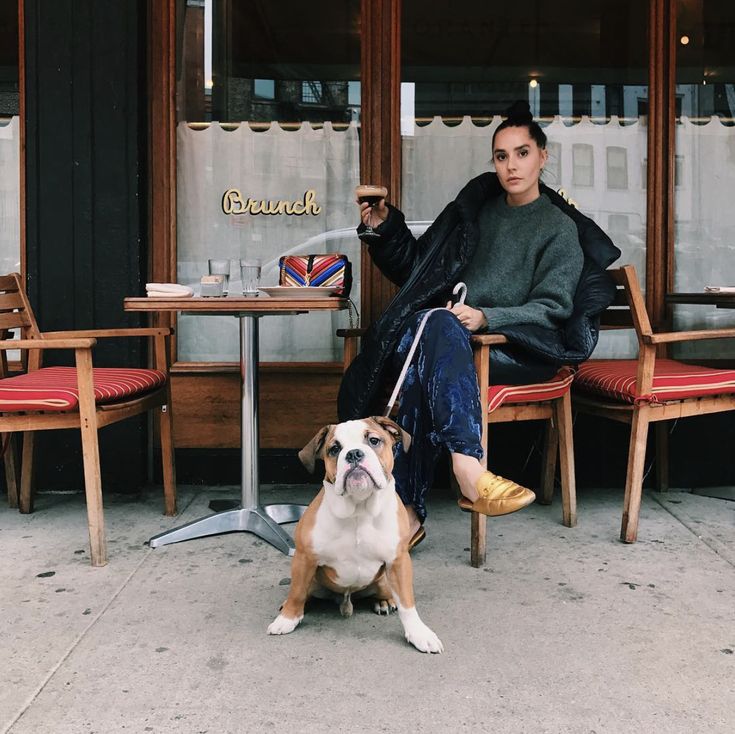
{"x": 534, "y": 269}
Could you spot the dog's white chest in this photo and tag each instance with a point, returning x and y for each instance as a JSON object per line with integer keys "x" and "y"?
{"x": 357, "y": 546}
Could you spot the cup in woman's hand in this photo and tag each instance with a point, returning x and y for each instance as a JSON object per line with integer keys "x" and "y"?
{"x": 371, "y": 194}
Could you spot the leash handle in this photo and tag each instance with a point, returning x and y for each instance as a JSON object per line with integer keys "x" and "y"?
{"x": 460, "y": 289}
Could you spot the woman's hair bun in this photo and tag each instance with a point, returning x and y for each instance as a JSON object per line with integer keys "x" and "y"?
{"x": 520, "y": 112}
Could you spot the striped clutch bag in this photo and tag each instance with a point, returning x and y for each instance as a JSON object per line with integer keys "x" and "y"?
{"x": 332, "y": 270}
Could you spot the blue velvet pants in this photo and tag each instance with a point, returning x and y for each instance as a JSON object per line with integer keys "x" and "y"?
{"x": 440, "y": 400}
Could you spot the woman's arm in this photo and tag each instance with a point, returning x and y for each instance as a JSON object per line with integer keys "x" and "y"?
{"x": 397, "y": 252}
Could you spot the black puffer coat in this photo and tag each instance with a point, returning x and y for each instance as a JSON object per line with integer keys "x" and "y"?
{"x": 426, "y": 269}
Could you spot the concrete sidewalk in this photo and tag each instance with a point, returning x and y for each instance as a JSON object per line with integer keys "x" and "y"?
{"x": 564, "y": 630}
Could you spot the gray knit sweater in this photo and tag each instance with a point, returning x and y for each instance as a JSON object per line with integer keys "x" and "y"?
{"x": 526, "y": 266}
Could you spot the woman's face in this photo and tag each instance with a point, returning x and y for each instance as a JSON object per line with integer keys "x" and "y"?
{"x": 518, "y": 163}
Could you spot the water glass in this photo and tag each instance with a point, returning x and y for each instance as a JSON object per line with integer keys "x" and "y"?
{"x": 250, "y": 275}
{"x": 221, "y": 267}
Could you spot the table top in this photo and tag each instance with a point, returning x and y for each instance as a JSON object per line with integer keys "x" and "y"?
{"x": 721, "y": 300}
{"x": 233, "y": 305}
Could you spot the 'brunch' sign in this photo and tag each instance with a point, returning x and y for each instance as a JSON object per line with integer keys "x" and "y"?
{"x": 233, "y": 202}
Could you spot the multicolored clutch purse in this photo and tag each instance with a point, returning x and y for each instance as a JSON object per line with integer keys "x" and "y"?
{"x": 331, "y": 270}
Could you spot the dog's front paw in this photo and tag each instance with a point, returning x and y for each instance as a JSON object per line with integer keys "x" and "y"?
{"x": 422, "y": 638}
{"x": 283, "y": 625}
{"x": 384, "y": 606}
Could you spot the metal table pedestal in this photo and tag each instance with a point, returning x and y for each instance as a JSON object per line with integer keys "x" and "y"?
{"x": 251, "y": 516}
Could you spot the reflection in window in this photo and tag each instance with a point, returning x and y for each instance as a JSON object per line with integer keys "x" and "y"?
{"x": 617, "y": 225}
{"x": 552, "y": 175}
{"x": 617, "y": 167}
{"x": 264, "y": 88}
{"x": 311, "y": 92}
{"x": 679, "y": 171}
{"x": 583, "y": 165}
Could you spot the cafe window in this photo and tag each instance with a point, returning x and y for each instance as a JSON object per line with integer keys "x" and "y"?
{"x": 10, "y": 153}
{"x": 583, "y": 67}
{"x": 704, "y": 248}
{"x": 268, "y": 103}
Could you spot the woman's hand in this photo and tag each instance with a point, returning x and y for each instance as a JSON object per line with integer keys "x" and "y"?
{"x": 372, "y": 216}
{"x": 471, "y": 318}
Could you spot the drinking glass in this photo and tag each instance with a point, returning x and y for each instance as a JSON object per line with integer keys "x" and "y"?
{"x": 221, "y": 267}
{"x": 371, "y": 194}
{"x": 250, "y": 275}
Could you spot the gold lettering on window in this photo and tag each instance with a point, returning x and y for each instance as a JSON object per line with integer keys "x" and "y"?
{"x": 233, "y": 202}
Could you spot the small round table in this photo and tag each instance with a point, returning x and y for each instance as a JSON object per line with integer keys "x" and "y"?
{"x": 251, "y": 517}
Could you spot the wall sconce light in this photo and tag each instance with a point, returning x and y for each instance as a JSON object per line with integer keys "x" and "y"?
{"x": 533, "y": 83}
{"x": 684, "y": 40}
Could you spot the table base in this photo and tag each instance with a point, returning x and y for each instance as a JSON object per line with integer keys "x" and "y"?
{"x": 262, "y": 520}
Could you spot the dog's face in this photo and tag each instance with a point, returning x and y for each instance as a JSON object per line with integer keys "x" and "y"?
{"x": 358, "y": 455}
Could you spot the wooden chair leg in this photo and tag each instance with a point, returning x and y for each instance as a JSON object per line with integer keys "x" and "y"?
{"x": 91, "y": 458}
{"x": 25, "y": 504}
{"x": 168, "y": 459}
{"x": 478, "y": 545}
{"x": 551, "y": 448}
{"x": 634, "y": 476}
{"x": 478, "y": 522}
{"x": 661, "y": 431}
{"x": 12, "y": 474}
{"x": 563, "y": 417}
{"x": 93, "y": 493}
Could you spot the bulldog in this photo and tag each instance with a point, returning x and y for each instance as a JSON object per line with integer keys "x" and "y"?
{"x": 352, "y": 540}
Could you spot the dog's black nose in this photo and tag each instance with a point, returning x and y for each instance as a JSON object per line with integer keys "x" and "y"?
{"x": 354, "y": 456}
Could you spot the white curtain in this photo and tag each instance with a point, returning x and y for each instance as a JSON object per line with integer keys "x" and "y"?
{"x": 274, "y": 164}
{"x": 10, "y": 195}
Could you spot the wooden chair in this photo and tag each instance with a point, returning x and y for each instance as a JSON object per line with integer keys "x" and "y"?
{"x": 549, "y": 401}
{"x": 648, "y": 389}
{"x": 81, "y": 397}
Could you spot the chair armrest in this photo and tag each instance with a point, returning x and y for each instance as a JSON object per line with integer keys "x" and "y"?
{"x": 482, "y": 340}
{"x": 350, "y": 333}
{"x": 47, "y": 343}
{"x": 685, "y": 336}
{"x": 102, "y": 333}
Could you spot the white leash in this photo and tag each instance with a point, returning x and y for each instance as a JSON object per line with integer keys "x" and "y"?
{"x": 460, "y": 289}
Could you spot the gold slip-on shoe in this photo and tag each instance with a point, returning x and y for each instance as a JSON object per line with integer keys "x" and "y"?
{"x": 498, "y": 496}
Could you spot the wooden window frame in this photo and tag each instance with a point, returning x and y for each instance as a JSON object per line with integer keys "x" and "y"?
{"x": 380, "y": 153}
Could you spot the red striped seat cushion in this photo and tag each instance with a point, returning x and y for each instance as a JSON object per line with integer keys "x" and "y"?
{"x": 537, "y": 392}
{"x": 672, "y": 380}
{"x": 55, "y": 388}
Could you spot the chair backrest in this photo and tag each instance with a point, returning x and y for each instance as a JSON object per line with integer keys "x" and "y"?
{"x": 16, "y": 313}
{"x": 15, "y": 310}
{"x": 628, "y": 310}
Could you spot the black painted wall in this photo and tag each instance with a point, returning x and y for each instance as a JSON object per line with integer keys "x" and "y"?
{"x": 86, "y": 201}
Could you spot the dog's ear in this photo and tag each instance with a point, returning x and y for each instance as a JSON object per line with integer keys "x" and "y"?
{"x": 311, "y": 451}
{"x": 396, "y": 432}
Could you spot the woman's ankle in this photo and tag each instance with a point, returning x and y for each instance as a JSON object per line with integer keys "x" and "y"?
{"x": 413, "y": 519}
{"x": 467, "y": 470}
